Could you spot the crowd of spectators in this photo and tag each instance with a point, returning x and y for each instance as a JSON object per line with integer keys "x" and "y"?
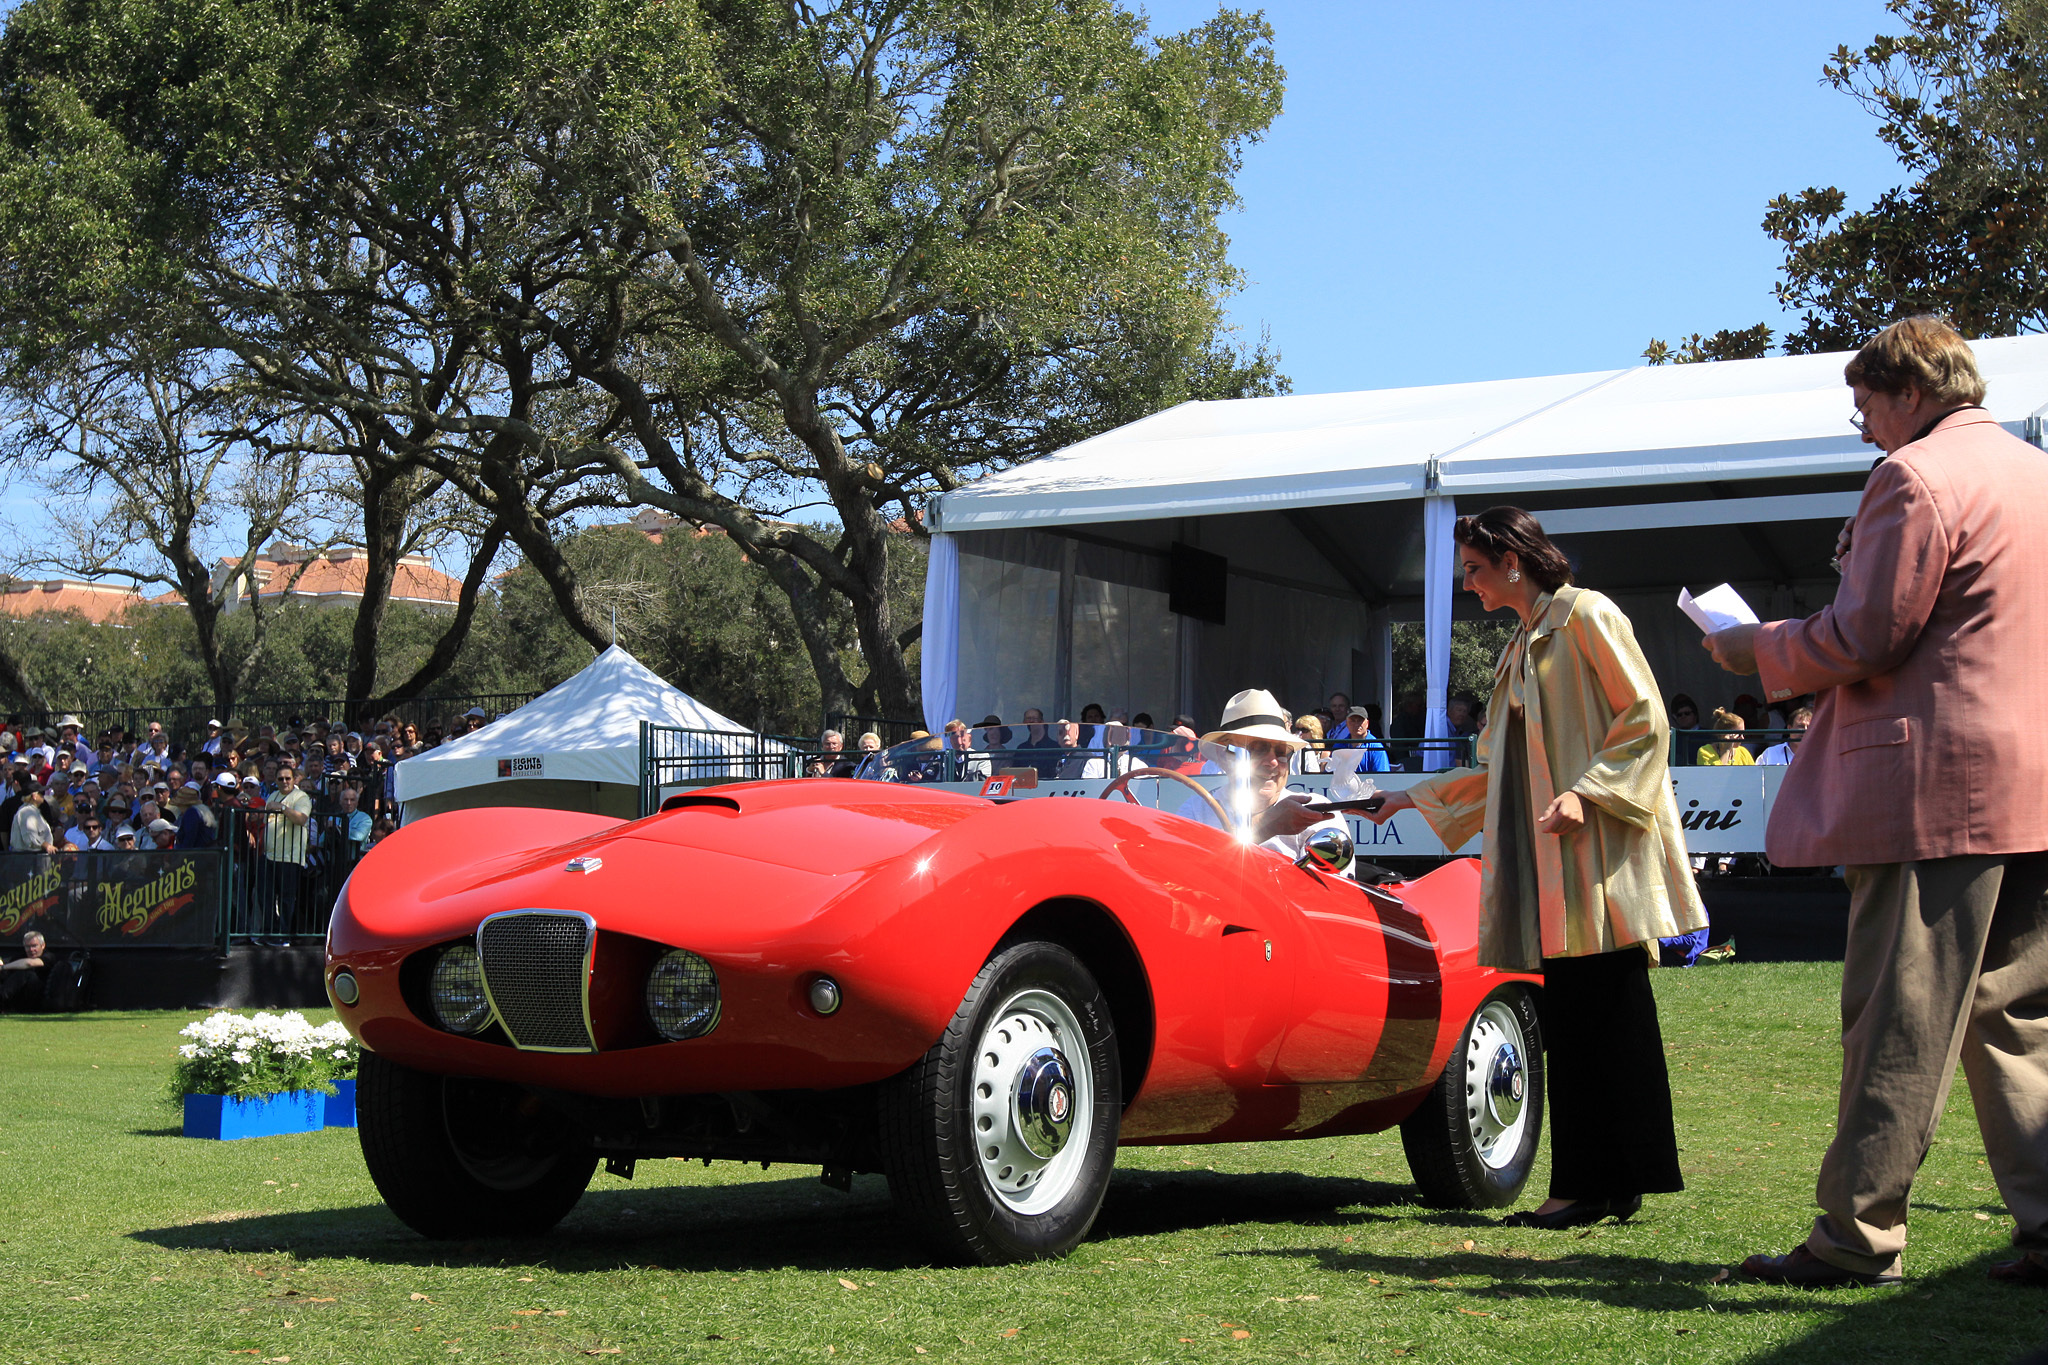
{"x": 1101, "y": 740}
{"x": 1740, "y": 734}
{"x": 287, "y": 801}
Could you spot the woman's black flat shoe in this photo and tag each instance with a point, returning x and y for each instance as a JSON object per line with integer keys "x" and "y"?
{"x": 1576, "y": 1214}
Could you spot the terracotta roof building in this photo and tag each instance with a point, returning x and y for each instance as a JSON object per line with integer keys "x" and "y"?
{"x": 96, "y": 602}
{"x": 336, "y": 578}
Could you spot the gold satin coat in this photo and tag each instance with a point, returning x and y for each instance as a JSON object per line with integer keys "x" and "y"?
{"x": 1592, "y": 724}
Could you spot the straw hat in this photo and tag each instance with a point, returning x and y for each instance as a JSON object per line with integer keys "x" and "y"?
{"x": 1254, "y": 714}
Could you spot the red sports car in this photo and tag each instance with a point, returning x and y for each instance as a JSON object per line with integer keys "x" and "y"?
{"x": 979, "y": 998}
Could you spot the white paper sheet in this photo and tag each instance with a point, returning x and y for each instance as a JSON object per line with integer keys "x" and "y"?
{"x": 1716, "y": 609}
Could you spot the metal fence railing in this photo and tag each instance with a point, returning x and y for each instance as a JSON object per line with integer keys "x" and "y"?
{"x": 187, "y": 724}
{"x": 671, "y": 756}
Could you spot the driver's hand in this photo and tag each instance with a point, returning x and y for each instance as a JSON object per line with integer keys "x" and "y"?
{"x": 1393, "y": 804}
{"x": 1285, "y": 817}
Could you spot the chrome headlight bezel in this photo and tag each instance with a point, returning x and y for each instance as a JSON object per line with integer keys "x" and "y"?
{"x": 455, "y": 991}
{"x": 682, "y": 996}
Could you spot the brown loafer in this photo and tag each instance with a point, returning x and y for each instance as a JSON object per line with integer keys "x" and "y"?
{"x": 1802, "y": 1269}
{"x": 2030, "y": 1269}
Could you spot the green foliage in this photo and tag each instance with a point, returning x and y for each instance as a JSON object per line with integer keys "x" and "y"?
{"x": 732, "y": 258}
{"x": 696, "y": 611}
{"x": 1750, "y": 343}
{"x": 1476, "y": 646}
{"x": 149, "y": 657}
{"x": 1961, "y": 95}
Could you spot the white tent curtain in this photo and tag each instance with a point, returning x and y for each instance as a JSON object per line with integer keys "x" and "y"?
{"x": 940, "y": 671}
{"x": 1439, "y": 581}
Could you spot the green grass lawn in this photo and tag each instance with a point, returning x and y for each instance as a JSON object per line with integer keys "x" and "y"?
{"x": 125, "y": 1242}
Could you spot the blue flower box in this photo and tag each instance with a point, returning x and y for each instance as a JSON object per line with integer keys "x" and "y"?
{"x": 226, "y": 1118}
{"x": 341, "y": 1105}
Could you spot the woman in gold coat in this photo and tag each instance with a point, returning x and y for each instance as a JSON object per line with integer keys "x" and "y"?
{"x": 1585, "y": 863}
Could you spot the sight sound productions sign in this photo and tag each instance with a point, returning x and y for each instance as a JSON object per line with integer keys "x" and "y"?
{"x": 109, "y": 899}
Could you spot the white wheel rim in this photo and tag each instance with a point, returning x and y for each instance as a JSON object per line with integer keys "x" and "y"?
{"x": 1032, "y": 1106}
{"x": 1497, "y": 1101}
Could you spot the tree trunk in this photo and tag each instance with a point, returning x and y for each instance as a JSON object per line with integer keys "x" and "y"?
{"x": 452, "y": 639}
{"x": 16, "y": 681}
{"x": 384, "y": 507}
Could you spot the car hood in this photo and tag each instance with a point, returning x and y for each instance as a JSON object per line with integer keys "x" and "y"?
{"x": 732, "y": 862}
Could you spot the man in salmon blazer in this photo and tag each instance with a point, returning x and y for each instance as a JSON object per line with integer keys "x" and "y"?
{"x": 1925, "y": 772}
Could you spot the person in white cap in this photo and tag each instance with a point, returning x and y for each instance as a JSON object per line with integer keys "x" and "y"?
{"x": 215, "y": 739}
{"x": 1280, "y": 820}
{"x": 162, "y": 833}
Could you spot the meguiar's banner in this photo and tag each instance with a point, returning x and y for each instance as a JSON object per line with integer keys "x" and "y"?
{"x": 96, "y": 900}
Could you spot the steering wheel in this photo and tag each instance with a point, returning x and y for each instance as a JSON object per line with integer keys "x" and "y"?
{"x": 1122, "y": 787}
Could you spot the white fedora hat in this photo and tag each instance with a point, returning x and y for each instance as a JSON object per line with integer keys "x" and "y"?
{"x": 1254, "y": 714}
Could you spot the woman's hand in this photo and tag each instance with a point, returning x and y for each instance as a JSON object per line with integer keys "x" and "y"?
{"x": 1393, "y": 803}
{"x": 1565, "y": 815}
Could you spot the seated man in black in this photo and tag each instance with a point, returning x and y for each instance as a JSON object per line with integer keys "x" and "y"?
{"x": 21, "y": 981}
{"x": 1039, "y": 736}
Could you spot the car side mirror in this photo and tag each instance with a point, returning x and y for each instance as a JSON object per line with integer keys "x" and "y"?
{"x": 1326, "y": 850}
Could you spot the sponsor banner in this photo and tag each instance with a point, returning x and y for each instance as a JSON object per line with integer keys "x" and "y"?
{"x": 532, "y": 765}
{"x": 96, "y": 900}
{"x": 1723, "y": 810}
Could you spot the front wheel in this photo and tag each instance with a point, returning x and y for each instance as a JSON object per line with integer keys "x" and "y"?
{"x": 1471, "y": 1143}
{"x": 456, "y": 1158}
{"x": 1000, "y": 1141}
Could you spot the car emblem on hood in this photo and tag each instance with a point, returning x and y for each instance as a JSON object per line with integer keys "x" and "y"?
{"x": 589, "y": 862}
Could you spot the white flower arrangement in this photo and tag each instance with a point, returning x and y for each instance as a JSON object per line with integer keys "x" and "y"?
{"x": 264, "y": 1054}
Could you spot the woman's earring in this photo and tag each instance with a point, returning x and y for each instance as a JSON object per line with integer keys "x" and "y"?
{"x": 1514, "y": 575}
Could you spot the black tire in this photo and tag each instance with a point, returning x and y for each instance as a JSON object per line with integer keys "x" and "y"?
{"x": 457, "y": 1159}
{"x": 936, "y": 1154}
{"x": 1444, "y": 1152}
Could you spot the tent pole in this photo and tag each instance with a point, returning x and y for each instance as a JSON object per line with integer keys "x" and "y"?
{"x": 1439, "y": 517}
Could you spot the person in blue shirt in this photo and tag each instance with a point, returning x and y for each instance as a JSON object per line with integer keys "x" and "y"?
{"x": 1357, "y": 730}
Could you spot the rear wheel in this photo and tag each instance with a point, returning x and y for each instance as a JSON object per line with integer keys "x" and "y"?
{"x": 1000, "y": 1141}
{"x": 1471, "y": 1143}
{"x": 462, "y": 1158}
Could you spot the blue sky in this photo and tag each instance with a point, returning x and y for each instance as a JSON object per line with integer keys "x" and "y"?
{"x": 1477, "y": 190}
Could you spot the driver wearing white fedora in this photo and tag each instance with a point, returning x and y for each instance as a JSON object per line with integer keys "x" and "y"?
{"x": 1280, "y": 820}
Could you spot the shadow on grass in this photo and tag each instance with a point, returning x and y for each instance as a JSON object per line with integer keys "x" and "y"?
{"x": 1959, "y": 1314}
{"x": 774, "y": 1224}
{"x": 177, "y": 1131}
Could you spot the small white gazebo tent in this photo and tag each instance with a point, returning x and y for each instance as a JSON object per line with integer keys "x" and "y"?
{"x": 574, "y": 747}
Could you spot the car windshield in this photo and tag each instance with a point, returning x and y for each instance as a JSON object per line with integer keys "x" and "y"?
{"x": 1051, "y": 750}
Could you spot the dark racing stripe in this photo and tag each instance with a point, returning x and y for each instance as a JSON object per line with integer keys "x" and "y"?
{"x": 1415, "y": 993}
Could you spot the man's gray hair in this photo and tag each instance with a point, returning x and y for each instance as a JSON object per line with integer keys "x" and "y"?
{"x": 832, "y": 734}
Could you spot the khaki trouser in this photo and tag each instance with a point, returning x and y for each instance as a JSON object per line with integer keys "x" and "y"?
{"x": 1948, "y": 959}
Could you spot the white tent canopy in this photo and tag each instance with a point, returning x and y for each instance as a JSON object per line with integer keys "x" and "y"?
{"x": 1057, "y": 572}
{"x": 1783, "y": 417}
{"x": 574, "y": 747}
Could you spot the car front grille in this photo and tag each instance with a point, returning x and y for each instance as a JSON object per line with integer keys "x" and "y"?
{"x": 537, "y": 972}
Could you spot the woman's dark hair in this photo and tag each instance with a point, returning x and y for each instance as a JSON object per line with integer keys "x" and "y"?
{"x": 1500, "y": 530}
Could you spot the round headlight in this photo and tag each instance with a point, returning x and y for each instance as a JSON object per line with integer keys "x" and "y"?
{"x": 825, "y": 995}
{"x": 682, "y": 996}
{"x": 457, "y": 990}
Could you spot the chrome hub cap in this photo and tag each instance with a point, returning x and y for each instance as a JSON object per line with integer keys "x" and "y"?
{"x": 1043, "y": 1104}
{"x": 1496, "y": 1084}
{"x": 1032, "y": 1102}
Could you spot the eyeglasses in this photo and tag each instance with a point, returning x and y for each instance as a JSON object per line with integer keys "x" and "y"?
{"x": 1859, "y": 421}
